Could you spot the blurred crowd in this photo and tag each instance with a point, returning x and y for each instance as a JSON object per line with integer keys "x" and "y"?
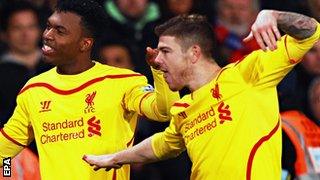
{"x": 129, "y": 31}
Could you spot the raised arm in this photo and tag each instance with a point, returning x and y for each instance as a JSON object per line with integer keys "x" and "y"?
{"x": 154, "y": 104}
{"x": 296, "y": 25}
{"x": 165, "y": 97}
{"x": 267, "y": 68}
{"x": 265, "y": 28}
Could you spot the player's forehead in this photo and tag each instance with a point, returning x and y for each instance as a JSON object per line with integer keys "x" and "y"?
{"x": 67, "y": 20}
{"x": 168, "y": 42}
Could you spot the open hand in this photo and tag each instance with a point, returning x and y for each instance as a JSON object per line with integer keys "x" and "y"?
{"x": 265, "y": 30}
{"x": 151, "y": 55}
{"x": 102, "y": 161}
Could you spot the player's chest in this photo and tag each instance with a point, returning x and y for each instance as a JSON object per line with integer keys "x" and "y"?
{"x": 87, "y": 101}
{"x": 196, "y": 125}
{"x": 214, "y": 115}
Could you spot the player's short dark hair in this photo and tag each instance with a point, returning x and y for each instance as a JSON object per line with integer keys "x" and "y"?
{"x": 189, "y": 30}
{"x": 11, "y": 8}
{"x": 93, "y": 16}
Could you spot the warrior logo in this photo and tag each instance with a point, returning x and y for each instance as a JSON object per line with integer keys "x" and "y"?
{"x": 182, "y": 115}
{"x": 45, "y": 106}
{"x": 94, "y": 127}
{"x": 89, "y": 101}
{"x": 216, "y": 92}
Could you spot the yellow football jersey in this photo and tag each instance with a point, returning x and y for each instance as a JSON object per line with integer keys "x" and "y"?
{"x": 230, "y": 127}
{"x": 94, "y": 112}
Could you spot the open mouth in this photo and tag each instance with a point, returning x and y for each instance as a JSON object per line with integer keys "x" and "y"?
{"x": 47, "y": 49}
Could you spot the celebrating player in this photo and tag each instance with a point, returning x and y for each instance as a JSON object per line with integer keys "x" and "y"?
{"x": 229, "y": 124}
{"x": 81, "y": 106}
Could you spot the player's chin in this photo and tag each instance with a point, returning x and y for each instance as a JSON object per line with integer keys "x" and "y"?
{"x": 173, "y": 87}
{"x": 50, "y": 60}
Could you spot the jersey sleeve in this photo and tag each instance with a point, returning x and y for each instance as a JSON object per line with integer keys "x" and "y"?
{"x": 17, "y": 132}
{"x": 152, "y": 103}
{"x": 268, "y": 68}
{"x": 8, "y": 148}
{"x": 168, "y": 143}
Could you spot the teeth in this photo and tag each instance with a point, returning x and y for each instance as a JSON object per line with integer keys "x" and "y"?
{"x": 47, "y": 48}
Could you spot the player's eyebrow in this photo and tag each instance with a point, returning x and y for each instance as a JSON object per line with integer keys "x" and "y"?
{"x": 58, "y": 27}
{"x": 164, "y": 48}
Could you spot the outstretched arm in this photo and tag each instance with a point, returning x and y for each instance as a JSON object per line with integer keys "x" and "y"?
{"x": 265, "y": 28}
{"x": 160, "y": 146}
{"x": 140, "y": 153}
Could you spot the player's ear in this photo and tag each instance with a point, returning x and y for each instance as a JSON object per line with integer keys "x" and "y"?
{"x": 195, "y": 53}
{"x": 86, "y": 44}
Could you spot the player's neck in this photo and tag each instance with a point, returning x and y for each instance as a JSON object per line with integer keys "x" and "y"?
{"x": 75, "y": 68}
{"x": 203, "y": 74}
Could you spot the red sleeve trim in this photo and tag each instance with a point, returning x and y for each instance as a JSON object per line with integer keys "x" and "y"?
{"x": 140, "y": 103}
{"x": 77, "y": 89}
{"x": 114, "y": 174}
{"x": 185, "y": 105}
{"x": 255, "y": 148}
{"x": 285, "y": 45}
{"x": 11, "y": 139}
{"x": 292, "y": 61}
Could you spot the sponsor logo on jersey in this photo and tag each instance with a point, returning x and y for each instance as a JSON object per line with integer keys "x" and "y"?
{"x": 224, "y": 113}
{"x": 70, "y": 129}
{"x": 206, "y": 121}
{"x": 94, "y": 127}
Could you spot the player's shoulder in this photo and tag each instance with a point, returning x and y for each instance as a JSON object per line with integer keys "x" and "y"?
{"x": 228, "y": 72}
{"x": 39, "y": 79}
{"x": 124, "y": 77}
{"x": 43, "y": 77}
{"x": 181, "y": 105}
{"x": 116, "y": 72}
